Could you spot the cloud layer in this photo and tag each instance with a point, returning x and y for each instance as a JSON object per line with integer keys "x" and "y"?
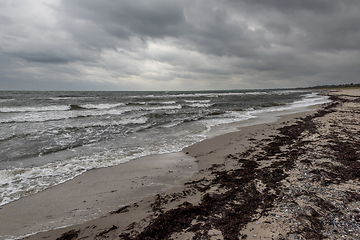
{"x": 177, "y": 45}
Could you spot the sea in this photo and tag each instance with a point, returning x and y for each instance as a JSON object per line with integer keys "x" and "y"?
{"x": 49, "y": 137}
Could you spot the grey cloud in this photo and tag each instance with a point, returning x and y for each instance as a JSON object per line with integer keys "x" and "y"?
{"x": 315, "y": 25}
{"x": 51, "y": 54}
{"x": 42, "y": 57}
{"x": 291, "y": 6}
{"x": 124, "y": 19}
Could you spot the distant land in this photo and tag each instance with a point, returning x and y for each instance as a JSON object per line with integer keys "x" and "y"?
{"x": 348, "y": 85}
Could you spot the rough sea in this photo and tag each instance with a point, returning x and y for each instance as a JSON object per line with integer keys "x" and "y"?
{"x": 47, "y": 138}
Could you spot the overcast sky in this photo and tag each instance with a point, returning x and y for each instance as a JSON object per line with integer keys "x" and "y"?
{"x": 177, "y": 45}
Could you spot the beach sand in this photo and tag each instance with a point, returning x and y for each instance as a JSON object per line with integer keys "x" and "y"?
{"x": 94, "y": 194}
{"x": 296, "y": 178}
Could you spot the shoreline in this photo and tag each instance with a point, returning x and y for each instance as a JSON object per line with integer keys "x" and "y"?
{"x": 244, "y": 131}
{"x": 215, "y": 157}
{"x": 60, "y": 202}
{"x": 96, "y": 196}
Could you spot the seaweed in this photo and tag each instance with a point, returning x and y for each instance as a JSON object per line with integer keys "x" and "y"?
{"x": 72, "y": 234}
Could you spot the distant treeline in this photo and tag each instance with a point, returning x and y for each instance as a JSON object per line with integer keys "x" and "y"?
{"x": 348, "y": 85}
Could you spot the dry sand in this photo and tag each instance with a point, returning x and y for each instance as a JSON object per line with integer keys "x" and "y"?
{"x": 297, "y": 178}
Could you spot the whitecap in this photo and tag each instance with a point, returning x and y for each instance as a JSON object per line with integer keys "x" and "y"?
{"x": 35, "y": 109}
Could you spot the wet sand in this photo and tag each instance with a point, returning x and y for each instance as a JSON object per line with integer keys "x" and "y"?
{"x": 94, "y": 194}
{"x": 296, "y": 178}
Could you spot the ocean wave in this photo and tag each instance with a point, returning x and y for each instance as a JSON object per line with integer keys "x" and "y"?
{"x": 126, "y": 121}
{"x": 216, "y": 113}
{"x": 227, "y": 118}
{"x": 6, "y": 100}
{"x": 102, "y": 106}
{"x": 164, "y": 107}
{"x": 59, "y": 107}
{"x": 135, "y": 103}
{"x": 66, "y": 97}
{"x": 197, "y": 101}
{"x": 68, "y": 137}
{"x": 308, "y": 100}
{"x": 173, "y": 124}
{"x": 58, "y": 115}
{"x": 34, "y": 109}
{"x": 200, "y": 105}
{"x": 20, "y": 182}
{"x": 167, "y": 102}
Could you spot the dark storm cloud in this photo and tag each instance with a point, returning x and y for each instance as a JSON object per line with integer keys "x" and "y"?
{"x": 204, "y": 25}
{"x": 247, "y": 43}
{"x": 148, "y": 18}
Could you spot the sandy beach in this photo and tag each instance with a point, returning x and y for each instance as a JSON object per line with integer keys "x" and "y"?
{"x": 296, "y": 178}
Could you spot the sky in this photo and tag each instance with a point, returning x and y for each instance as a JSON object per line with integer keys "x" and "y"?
{"x": 177, "y": 45}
